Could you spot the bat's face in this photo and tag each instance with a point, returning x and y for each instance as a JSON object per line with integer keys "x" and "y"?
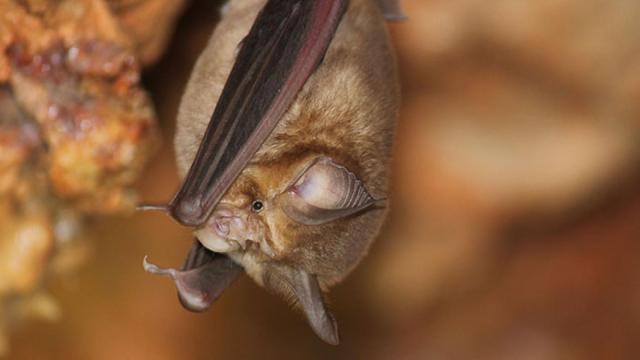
{"x": 295, "y": 211}
{"x": 297, "y": 225}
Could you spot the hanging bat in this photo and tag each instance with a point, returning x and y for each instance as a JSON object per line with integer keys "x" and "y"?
{"x": 287, "y": 180}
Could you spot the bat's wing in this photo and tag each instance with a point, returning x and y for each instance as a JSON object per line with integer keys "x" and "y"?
{"x": 203, "y": 278}
{"x": 391, "y": 10}
{"x": 285, "y": 45}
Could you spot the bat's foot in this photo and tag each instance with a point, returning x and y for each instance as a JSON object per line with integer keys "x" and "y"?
{"x": 203, "y": 279}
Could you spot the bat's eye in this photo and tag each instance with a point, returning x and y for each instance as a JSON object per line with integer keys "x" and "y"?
{"x": 257, "y": 205}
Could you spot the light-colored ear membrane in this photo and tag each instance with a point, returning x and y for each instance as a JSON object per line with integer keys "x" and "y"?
{"x": 324, "y": 192}
{"x": 305, "y": 289}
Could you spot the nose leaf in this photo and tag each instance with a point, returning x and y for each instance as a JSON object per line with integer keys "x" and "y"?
{"x": 224, "y": 232}
{"x": 215, "y": 237}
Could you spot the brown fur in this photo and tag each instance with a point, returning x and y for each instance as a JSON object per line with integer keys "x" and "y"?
{"x": 346, "y": 111}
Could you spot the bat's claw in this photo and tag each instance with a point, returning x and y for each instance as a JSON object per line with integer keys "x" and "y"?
{"x": 150, "y": 207}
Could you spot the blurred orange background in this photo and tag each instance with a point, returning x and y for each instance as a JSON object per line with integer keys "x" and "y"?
{"x": 515, "y": 220}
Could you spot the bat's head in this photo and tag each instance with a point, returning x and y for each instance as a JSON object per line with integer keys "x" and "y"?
{"x": 296, "y": 225}
{"x": 297, "y": 211}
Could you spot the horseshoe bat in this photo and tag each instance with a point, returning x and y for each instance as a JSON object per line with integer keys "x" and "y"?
{"x": 287, "y": 180}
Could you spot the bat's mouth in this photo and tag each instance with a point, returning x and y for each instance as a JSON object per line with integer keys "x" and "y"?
{"x": 203, "y": 277}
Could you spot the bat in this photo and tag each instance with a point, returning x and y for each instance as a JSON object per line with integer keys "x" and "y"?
{"x": 287, "y": 181}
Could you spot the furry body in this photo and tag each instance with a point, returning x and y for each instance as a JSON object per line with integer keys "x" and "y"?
{"x": 346, "y": 110}
{"x": 304, "y": 210}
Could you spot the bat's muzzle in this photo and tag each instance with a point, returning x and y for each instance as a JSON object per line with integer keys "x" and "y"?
{"x": 224, "y": 232}
{"x": 230, "y": 229}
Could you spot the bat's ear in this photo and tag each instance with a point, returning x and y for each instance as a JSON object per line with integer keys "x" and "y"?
{"x": 323, "y": 192}
{"x": 306, "y": 291}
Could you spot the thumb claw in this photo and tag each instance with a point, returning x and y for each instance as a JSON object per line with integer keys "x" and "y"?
{"x": 151, "y": 207}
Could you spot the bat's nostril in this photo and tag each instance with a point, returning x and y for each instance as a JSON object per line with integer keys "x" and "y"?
{"x": 222, "y": 228}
